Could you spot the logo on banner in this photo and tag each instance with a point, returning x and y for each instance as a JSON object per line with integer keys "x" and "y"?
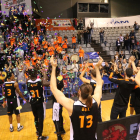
{"x": 113, "y": 21}
{"x": 115, "y": 132}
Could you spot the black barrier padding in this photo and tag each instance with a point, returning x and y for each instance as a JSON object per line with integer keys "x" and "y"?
{"x": 120, "y": 129}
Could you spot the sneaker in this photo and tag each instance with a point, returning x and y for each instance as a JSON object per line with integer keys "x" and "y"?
{"x": 37, "y": 133}
{"x": 11, "y": 129}
{"x": 43, "y": 138}
{"x": 20, "y": 128}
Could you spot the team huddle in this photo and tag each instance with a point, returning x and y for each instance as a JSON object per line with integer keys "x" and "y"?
{"x": 85, "y": 113}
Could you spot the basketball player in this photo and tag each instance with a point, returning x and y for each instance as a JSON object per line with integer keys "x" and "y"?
{"x": 11, "y": 91}
{"x": 35, "y": 88}
{"x": 93, "y": 84}
{"x": 125, "y": 87}
{"x": 57, "y": 108}
{"x": 83, "y": 113}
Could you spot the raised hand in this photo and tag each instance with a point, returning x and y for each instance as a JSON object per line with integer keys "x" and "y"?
{"x": 53, "y": 63}
{"x": 99, "y": 62}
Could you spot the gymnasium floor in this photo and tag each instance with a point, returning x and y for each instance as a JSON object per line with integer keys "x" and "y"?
{"x": 27, "y": 120}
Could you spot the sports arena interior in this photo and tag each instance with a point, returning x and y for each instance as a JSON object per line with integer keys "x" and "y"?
{"x": 69, "y": 70}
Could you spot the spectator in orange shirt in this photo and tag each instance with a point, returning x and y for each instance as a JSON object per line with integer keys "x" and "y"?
{"x": 56, "y": 43}
{"x": 12, "y": 40}
{"x": 73, "y": 42}
{"x": 36, "y": 39}
{"x": 81, "y": 55}
{"x": 65, "y": 45}
{"x": 46, "y": 61}
{"x": 51, "y": 50}
{"x": 59, "y": 38}
{"x": 45, "y": 44}
{"x": 59, "y": 50}
{"x": 66, "y": 59}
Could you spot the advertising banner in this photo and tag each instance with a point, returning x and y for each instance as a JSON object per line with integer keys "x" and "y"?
{"x": 112, "y": 22}
{"x": 120, "y": 129}
{"x": 55, "y": 24}
{"x": 16, "y": 7}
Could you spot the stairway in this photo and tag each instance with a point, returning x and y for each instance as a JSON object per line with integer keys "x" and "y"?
{"x": 102, "y": 53}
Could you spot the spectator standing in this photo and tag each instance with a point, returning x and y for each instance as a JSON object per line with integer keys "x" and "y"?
{"x": 81, "y": 55}
{"x": 75, "y": 24}
{"x": 136, "y": 26}
{"x": 85, "y": 37}
{"x": 73, "y": 42}
{"x": 79, "y": 37}
{"x": 81, "y": 23}
{"x": 118, "y": 44}
{"x": 127, "y": 43}
{"x": 89, "y": 34}
{"x": 106, "y": 67}
{"x": 101, "y": 36}
{"x": 132, "y": 42}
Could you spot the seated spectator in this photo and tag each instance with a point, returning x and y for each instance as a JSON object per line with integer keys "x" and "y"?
{"x": 136, "y": 54}
{"x": 66, "y": 59}
{"x": 74, "y": 66}
{"x": 118, "y": 44}
{"x": 106, "y": 67}
{"x": 122, "y": 55}
{"x": 116, "y": 57}
{"x": 136, "y": 26}
{"x": 138, "y": 63}
{"x": 124, "y": 64}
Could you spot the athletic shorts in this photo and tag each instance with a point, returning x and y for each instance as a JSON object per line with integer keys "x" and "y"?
{"x": 132, "y": 100}
{"x": 12, "y": 104}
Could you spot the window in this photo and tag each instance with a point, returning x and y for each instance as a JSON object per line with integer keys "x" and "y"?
{"x": 93, "y": 7}
{"x": 104, "y": 8}
{"x": 83, "y": 7}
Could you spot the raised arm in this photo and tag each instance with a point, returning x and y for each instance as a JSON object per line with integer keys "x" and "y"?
{"x": 4, "y": 102}
{"x": 137, "y": 78}
{"x": 83, "y": 79}
{"x": 45, "y": 81}
{"x": 98, "y": 90}
{"x": 60, "y": 97}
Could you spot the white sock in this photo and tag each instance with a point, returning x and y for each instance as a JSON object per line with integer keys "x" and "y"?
{"x": 11, "y": 125}
{"x": 18, "y": 125}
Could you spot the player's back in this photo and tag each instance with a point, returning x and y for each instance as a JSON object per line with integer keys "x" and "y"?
{"x": 9, "y": 90}
{"x": 35, "y": 89}
{"x": 83, "y": 121}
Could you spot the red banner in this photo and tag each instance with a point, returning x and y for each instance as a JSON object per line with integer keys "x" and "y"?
{"x": 55, "y": 24}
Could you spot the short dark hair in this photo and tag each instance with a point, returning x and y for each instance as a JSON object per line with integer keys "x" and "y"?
{"x": 33, "y": 73}
{"x": 129, "y": 72}
{"x": 93, "y": 73}
{"x": 9, "y": 74}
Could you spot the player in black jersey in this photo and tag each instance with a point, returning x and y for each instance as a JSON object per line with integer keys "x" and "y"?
{"x": 57, "y": 108}
{"x": 83, "y": 113}
{"x": 35, "y": 88}
{"x": 11, "y": 91}
{"x": 125, "y": 87}
{"x": 93, "y": 84}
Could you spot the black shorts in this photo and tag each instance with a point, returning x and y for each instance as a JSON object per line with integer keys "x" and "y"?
{"x": 132, "y": 100}
{"x": 12, "y": 104}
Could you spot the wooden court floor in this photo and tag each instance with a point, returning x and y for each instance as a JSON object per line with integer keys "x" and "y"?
{"x": 27, "y": 120}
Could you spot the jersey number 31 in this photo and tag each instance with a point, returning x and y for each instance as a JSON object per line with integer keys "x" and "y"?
{"x": 34, "y": 93}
